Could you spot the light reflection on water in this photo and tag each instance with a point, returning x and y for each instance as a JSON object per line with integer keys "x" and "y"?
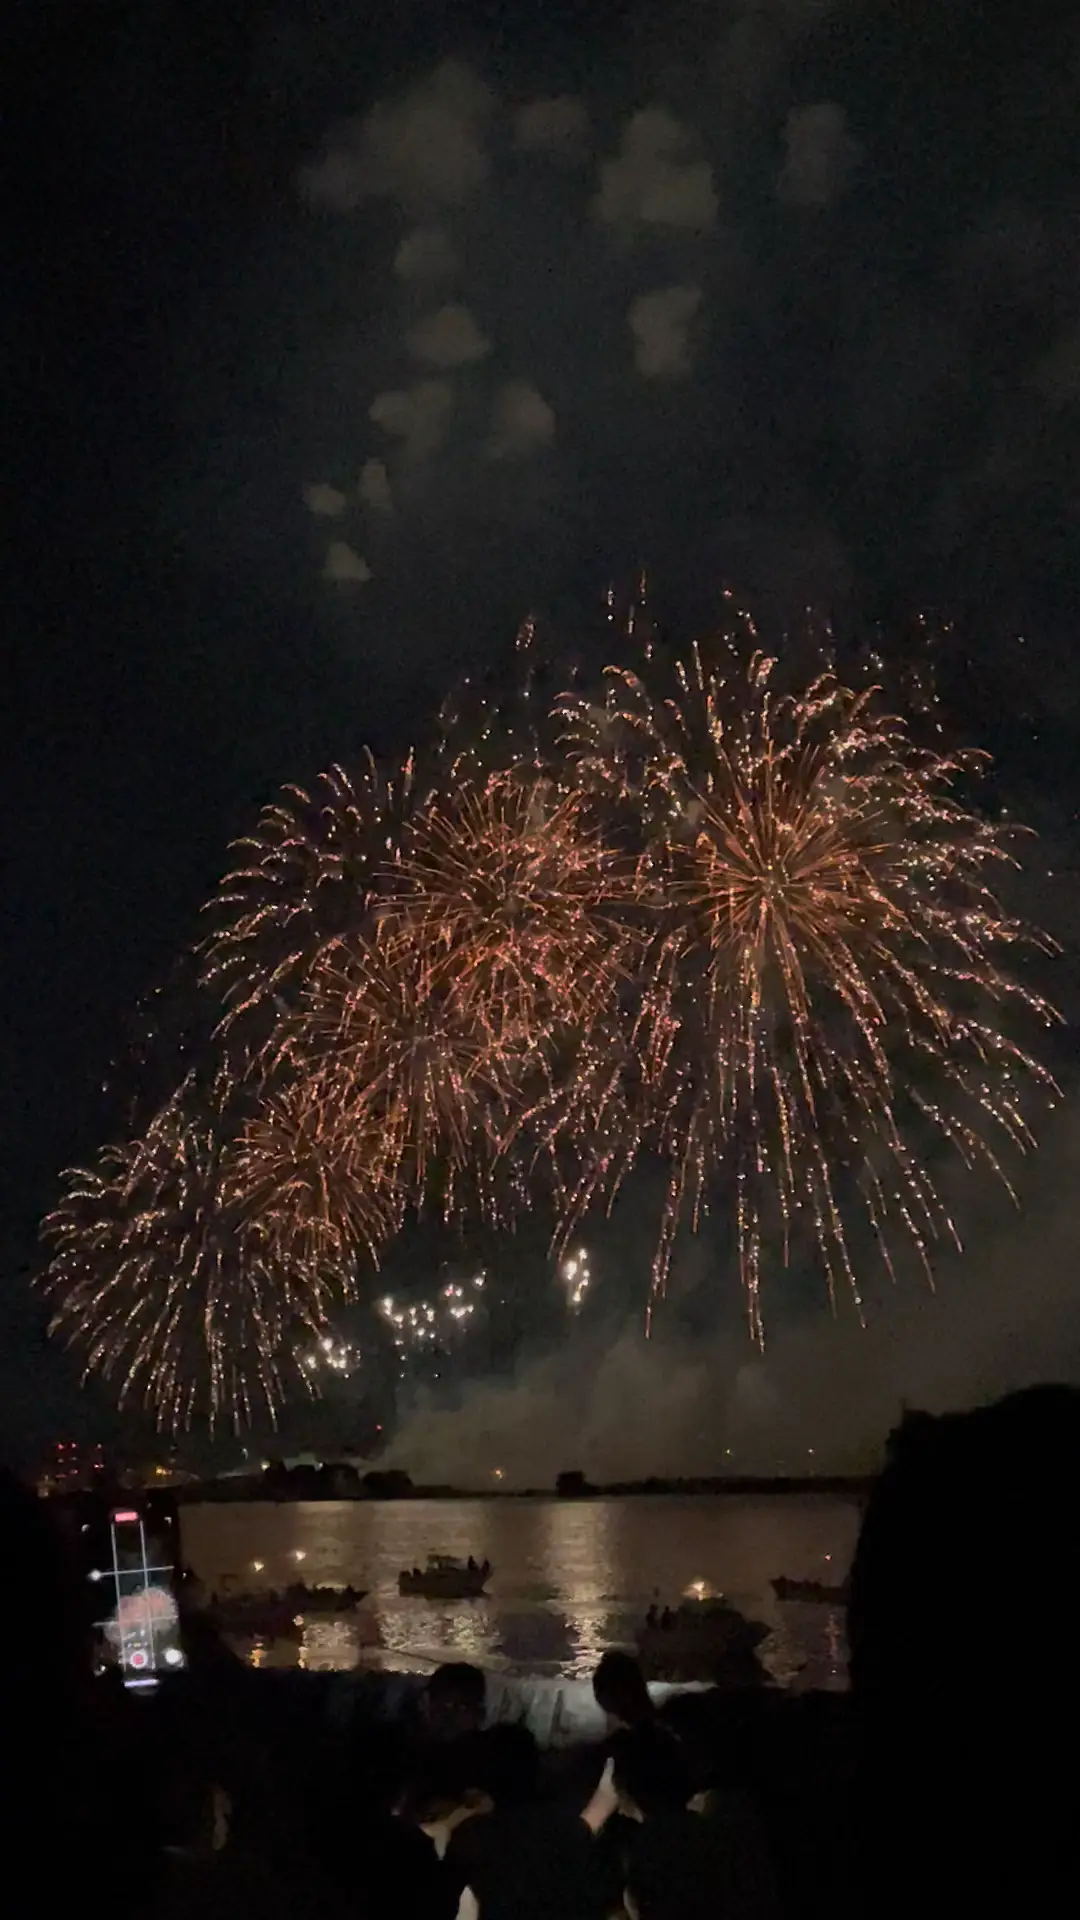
{"x": 579, "y": 1548}
{"x": 571, "y": 1577}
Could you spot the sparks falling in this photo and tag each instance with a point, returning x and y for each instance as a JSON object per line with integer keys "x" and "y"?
{"x": 825, "y": 977}
{"x": 312, "y": 869}
{"x": 162, "y": 1279}
{"x": 744, "y": 930}
{"x": 435, "y": 1325}
{"x": 575, "y": 1277}
{"x": 330, "y": 1356}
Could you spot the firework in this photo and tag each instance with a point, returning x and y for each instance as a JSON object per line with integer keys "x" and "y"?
{"x": 575, "y": 1277}
{"x": 160, "y": 1279}
{"x": 391, "y": 1035}
{"x": 748, "y": 933}
{"x": 329, "y": 1355}
{"x": 506, "y": 888}
{"x": 311, "y": 872}
{"x": 310, "y": 1171}
{"x": 825, "y": 967}
{"x": 435, "y": 1325}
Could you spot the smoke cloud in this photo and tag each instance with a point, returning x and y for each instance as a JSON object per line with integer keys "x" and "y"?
{"x": 344, "y": 565}
{"x": 417, "y": 416}
{"x": 820, "y": 156}
{"x": 660, "y": 323}
{"x": 425, "y": 256}
{"x": 654, "y": 180}
{"x": 522, "y": 422}
{"x": 374, "y": 489}
{"x": 448, "y": 338}
{"x": 324, "y": 501}
{"x": 824, "y": 1394}
{"x": 425, "y": 149}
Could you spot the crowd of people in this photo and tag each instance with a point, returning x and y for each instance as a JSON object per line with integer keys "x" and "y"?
{"x": 956, "y": 1792}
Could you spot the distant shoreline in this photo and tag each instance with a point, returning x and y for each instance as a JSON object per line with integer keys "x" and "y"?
{"x": 280, "y": 1492}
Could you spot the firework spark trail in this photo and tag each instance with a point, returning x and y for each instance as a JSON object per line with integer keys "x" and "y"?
{"x": 394, "y": 1036}
{"x": 575, "y": 1277}
{"x": 824, "y": 931}
{"x": 310, "y": 1170}
{"x": 157, "y": 1276}
{"x": 491, "y": 946}
{"x": 433, "y": 1325}
{"x": 508, "y": 888}
{"x": 310, "y": 872}
{"x": 749, "y": 933}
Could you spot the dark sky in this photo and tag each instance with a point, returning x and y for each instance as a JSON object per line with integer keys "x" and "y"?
{"x": 811, "y": 326}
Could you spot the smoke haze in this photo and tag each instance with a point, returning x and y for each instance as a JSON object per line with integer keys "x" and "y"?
{"x": 824, "y": 1395}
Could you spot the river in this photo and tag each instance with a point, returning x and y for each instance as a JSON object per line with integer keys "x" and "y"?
{"x": 571, "y": 1577}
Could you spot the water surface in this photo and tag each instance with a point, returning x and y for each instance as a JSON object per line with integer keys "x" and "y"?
{"x": 571, "y": 1577}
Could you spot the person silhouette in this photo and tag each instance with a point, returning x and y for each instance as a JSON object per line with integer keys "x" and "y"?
{"x": 964, "y": 1719}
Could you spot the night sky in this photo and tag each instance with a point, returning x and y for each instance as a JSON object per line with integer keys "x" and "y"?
{"x": 339, "y": 346}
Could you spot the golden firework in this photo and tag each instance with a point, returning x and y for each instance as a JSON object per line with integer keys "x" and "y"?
{"x": 310, "y": 1172}
{"x": 310, "y": 872}
{"x": 159, "y": 1277}
{"x": 826, "y": 956}
{"x": 389, "y": 1033}
{"x": 506, "y": 888}
{"x": 749, "y": 933}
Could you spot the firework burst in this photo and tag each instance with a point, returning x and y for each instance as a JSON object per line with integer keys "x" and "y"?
{"x": 825, "y": 968}
{"x": 506, "y": 888}
{"x": 159, "y": 1277}
{"x": 310, "y": 1172}
{"x": 310, "y": 873}
{"x": 390, "y": 1034}
{"x": 748, "y": 933}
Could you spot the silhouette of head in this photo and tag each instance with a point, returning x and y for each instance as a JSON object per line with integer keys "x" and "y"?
{"x": 620, "y": 1691}
{"x": 47, "y": 1595}
{"x": 962, "y": 1497}
{"x": 508, "y": 1764}
{"x": 455, "y": 1700}
{"x": 966, "y": 1552}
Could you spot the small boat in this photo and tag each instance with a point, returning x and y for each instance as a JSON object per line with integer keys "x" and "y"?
{"x": 277, "y": 1614}
{"x": 263, "y": 1614}
{"x": 702, "y": 1639}
{"x": 816, "y": 1590}
{"x": 445, "y": 1578}
{"x": 325, "y": 1599}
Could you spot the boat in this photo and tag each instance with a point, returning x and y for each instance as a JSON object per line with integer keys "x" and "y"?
{"x": 703, "y": 1638}
{"x": 325, "y": 1599}
{"x": 276, "y": 1614}
{"x": 445, "y": 1578}
{"x": 263, "y": 1614}
{"x": 819, "y": 1591}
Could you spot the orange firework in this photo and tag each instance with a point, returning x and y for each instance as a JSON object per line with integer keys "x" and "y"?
{"x": 390, "y": 1034}
{"x": 748, "y": 933}
{"x": 310, "y": 872}
{"x": 158, "y": 1276}
{"x": 506, "y": 889}
{"x": 310, "y": 1171}
{"x": 825, "y": 960}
